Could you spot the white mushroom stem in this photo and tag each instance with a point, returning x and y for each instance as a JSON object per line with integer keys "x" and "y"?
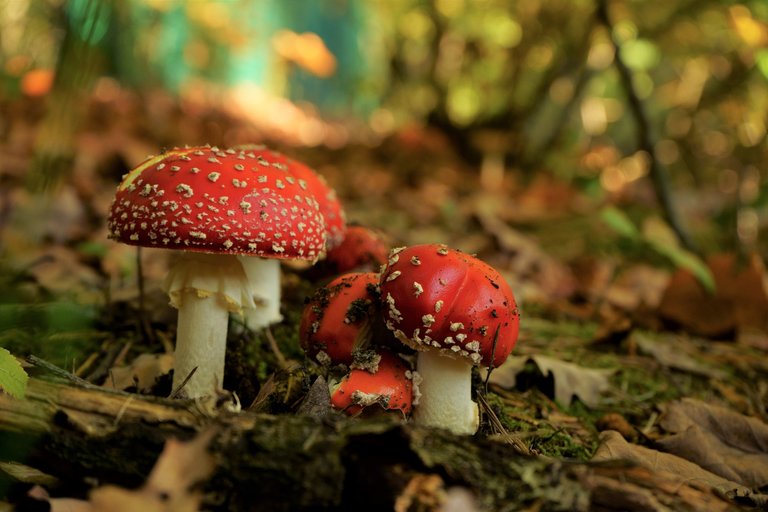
{"x": 264, "y": 280}
{"x": 205, "y": 288}
{"x": 446, "y": 393}
{"x": 201, "y": 343}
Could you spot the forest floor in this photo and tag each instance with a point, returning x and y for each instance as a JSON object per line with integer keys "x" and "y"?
{"x": 623, "y": 353}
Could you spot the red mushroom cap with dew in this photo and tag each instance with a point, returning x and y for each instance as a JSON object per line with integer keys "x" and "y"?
{"x": 330, "y": 206}
{"x": 436, "y": 298}
{"x": 230, "y": 201}
{"x": 337, "y": 319}
{"x": 390, "y": 386}
{"x": 361, "y": 248}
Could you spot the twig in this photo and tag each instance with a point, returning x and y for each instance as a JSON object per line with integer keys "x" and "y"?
{"x": 658, "y": 173}
{"x": 519, "y": 446}
{"x": 493, "y": 356}
{"x": 175, "y": 392}
{"x": 281, "y": 361}
{"x": 59, "y": 372}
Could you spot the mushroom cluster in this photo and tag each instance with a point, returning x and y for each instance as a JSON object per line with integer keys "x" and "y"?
{"x": 453, "y": 309}
{"x": 341, "y": 326}
{"x": 232, "y": 215}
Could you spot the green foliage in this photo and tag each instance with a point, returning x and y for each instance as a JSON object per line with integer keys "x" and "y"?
{"x": 13, "y": 378}
{"x": 658, "y": 236}
{"x": 59, "y": 332}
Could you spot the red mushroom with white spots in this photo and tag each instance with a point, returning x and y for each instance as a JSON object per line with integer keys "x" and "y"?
{"x": 389, "y": 385}
{"x": 232, "y": 215}
{"x": 339, "y": 319}
{"x": 457, "y": 312}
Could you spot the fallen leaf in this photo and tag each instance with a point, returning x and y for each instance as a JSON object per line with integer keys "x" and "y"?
{"x": 638, "y": 286}
{"x": 142, "y": 373}
{"x": 670, "y": 351}
{"x": 570, "y": 379}
{"x": 739, "y": 302}
{"x": 718, "y": 439}
{"x": 614, "y": 447}
{"x": 171, "y": 485}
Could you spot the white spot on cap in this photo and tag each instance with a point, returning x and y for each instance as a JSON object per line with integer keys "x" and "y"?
{"x": 394, "y": 275}
{"x": 214, "y": 176}
{"x": 185, "y": 190}
{"x": 417, "y": 289}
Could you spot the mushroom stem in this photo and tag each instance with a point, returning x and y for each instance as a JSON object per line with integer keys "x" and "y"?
{"x": 446, "y": 394}
{"x": 201, "y": 342}
{"x": 264, "y": 279}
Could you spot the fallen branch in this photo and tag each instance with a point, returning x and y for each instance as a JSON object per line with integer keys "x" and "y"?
{"x": 293, "y": 462}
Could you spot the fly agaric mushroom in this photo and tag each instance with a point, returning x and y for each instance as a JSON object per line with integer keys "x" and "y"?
{"x": 330, "y": 206}
{"x": 337, "y": 321}
{"x": 362, "y": 248}
{"x": 234, "y": 215}
{"x": 389, "y": 385}
{"x": 457, "y": 312}
{"x": 334, "y": 221}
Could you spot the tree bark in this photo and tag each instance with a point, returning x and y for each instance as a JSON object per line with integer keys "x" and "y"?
{"x": 292, "y": 462}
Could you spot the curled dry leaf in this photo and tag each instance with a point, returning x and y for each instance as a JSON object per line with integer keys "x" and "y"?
{"x": 614, "y": 447}
{"x": 570, "y": 379}
{"x": 718, "y": 439}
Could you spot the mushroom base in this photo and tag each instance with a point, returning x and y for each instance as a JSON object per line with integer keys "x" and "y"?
{"x": 446, "y": 394}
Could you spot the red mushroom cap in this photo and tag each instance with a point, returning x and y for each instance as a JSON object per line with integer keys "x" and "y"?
{"x": 362, "y": 247}
{"x": 436, "y": 298}
{"x": 330, "y": 206}
{"x": 219, "y": 201}
{"x": 389, "y": 386}
{"x": 337, "y": 319}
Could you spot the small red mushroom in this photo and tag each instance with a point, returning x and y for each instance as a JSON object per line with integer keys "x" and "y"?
{"x": 233, "y": 215}
{"x": 337, "y": 320}
{"x": 389, "y": 385}
{"x": 456, "y": 311}
{"x": 362, "y": 248}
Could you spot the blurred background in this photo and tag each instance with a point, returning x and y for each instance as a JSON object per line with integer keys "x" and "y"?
{"x": 532, "y": 86}
{"x": 538, "y": 134}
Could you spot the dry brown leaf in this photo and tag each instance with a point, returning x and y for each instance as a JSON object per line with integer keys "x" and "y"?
{"x": 672, "y": 352}
{"x": 570, "y": 379}
{"x": 142, "y": 373}
{"x": 740, "y": 302}
{"x": 169, "y": 488}
{"x": 720, "y": 440}
{"x": 422, "y": 492}
{"x": 614, "y": 447}
{"x": 639, "y": 285}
